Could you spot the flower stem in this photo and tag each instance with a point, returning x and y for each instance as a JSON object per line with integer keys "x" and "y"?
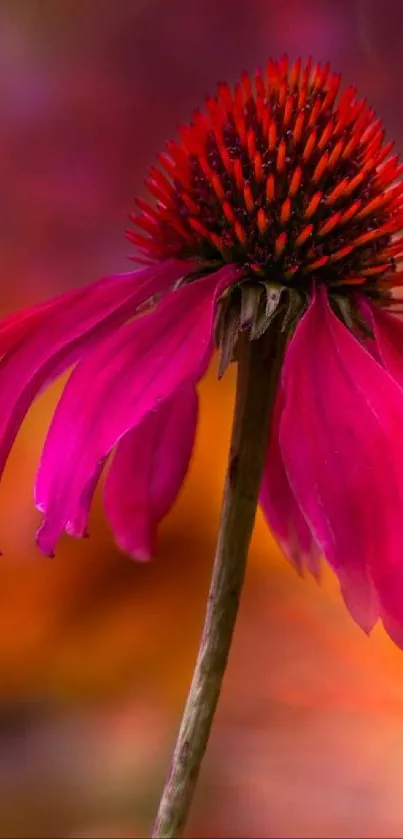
{"x": 259, "y": 363}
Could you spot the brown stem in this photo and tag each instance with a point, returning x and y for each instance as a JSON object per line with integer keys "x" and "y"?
{"x": 259, "y": 364}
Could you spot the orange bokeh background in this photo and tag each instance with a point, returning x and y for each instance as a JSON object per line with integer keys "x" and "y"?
{"x": 96, "y": 652}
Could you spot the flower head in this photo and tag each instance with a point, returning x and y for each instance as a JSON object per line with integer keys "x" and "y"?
{"x": 283, "y": 180}
{"x": 280, "y": 205}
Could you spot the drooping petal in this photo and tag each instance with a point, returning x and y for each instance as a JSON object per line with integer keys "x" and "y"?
{"x": 39, "y": 344}
{"x": 15, "y": 327}
{"x": 342, "y": 446}
{"x": 388, "y": 330}
{"x": 118, "y": 384}
{"x": 147, "y": 472}
{"x": 280, "y": 507}
{"x": 78, "y": 523}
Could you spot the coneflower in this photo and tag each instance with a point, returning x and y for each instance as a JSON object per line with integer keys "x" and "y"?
{"x": 272, "y": 234}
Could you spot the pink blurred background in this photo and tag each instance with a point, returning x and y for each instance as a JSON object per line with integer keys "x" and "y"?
{"x": 96, "y": 652}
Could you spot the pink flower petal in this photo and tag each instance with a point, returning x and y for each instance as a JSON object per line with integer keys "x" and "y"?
{"x": 280, "y": 507}
{"x": 78, "y": 524}
{"x": 126, "y": 377}
{"x": 388, "y": 330}
{"x": 39, "y": 344}
{"x": 341, "y": 441}
{"x": 147, "y": 472}
{"x": 17, "y": 326}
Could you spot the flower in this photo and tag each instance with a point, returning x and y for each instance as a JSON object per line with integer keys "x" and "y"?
{"x": 282, "y": 197}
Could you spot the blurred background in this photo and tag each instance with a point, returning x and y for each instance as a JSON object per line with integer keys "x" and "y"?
{"x": 96, "y": 652}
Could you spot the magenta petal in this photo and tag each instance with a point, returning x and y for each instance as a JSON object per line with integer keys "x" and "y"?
{"x": 16, "y": 327}
{"x": 388, "y": 330}
{"x": 39, "y": 344}
{"x": 147, "y": 472}
{"x": 78, "y": 524}
{"x": 117, "y": 385}
{"x": 341, "y": 441}
{"x": 280, "y": 507}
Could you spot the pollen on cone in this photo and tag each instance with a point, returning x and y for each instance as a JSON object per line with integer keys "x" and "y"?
{"x": 285, "y": 212}
{"x": 259, "y": 173}
{"x": 281, "y": 156}
{"x": 320, "y": 167}
{"x": 248, "y": 198}
{"x": 313, "y": 205}
{"x": 262, "y": 222}
{"x": 309, "y": 146}
{"x": 298, "y": 128}
{"x": 272, "y": 135}
{"x": 337, "y": 192}
{"x": 280, "y": 244}
{"x": 295, "y": 181}
{"x": 304, "y": 235}
{"x": 350, "y": 212}
{"x": 270, "y": 188}
{"x": 329, "y": 225}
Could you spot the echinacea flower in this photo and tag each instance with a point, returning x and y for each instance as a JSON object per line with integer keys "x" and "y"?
{"x": 280, "y": 197}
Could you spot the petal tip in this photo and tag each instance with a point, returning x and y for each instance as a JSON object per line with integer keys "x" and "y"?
{"x": 45, "y": 542}
{"x": 394, "y": 629}
{"x": 139, "y": 554}
{"x": 76, "y": 531}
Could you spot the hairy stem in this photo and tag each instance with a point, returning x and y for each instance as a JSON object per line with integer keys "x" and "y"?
{"x": 259, "y": 363}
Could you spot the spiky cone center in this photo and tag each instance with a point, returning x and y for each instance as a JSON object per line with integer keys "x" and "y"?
{"x": 284, "y": 177}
